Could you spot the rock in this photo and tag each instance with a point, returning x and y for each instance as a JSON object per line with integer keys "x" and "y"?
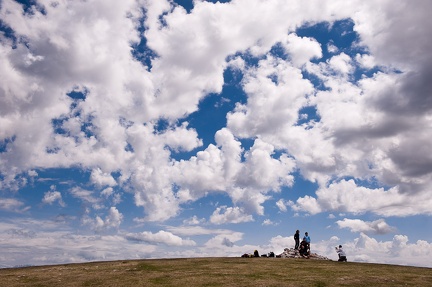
{"x": 293, "y": 253}
{"x": 290, "y": 253}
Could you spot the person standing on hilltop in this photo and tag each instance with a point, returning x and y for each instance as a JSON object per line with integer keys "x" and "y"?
{"x": 307, "y": 239}
{"x": 297, "y": 239}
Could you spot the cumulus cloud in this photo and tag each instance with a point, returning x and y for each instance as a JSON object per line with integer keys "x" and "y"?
{"x": 111, "y": 221}
{"x": 194, "y": 220}
{"x": 226, "y": 214}
{"x": 160, "y": 237}
{"x": 224, "y": 242}
{"x": 32, "y": 173}
{"x": 365, "y": 60}
{"x": 268, "y": 222}
{"x": 227, "y": 242}
{"x": 332, "y": 48}
{"x": 107, "y": 191}
{"x": 181, "y": 138}
{"x": 102, "y": 131}
{"x": 52, "y": 196}
{"x": 64, "y": 52}
{"x": 102, "y": 179}
{"x": 341, "y": 64}
{"x": 272, "y": 104}
{"x": 94, "y": 130}
{"x": 301, "y": 49}
{"x": 398, "y": 250}
{"x": 48, "y": 239}
{"x": 278, "y": 243}
{"x": 282, "y": 205}
{"x": 43, "y": 238}
{"x": 307, "y": 203}
{"x": 221, "y": 169}
{"x": 346, "y": 196}
{"x": 86, "y": 196}
{"x": 368, "y": 227}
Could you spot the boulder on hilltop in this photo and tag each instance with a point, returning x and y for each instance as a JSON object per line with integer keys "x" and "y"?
{"x": 288, "y": 253}
{"x": 294, "y": 253}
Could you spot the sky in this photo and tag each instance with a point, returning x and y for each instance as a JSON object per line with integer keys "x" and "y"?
{"x": 170, "y": 129}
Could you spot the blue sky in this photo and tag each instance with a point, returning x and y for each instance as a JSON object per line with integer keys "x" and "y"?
{"x": 160, "y": 129}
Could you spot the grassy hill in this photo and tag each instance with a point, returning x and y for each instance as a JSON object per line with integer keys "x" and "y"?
{"x": 218, "y": 272}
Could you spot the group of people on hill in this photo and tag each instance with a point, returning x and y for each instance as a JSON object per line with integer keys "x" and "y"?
{"x": 304, "y": 246}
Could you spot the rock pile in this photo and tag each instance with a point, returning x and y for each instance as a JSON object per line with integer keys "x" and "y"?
{"x": 293, "y": 253}
{"x": 287, "y": 253}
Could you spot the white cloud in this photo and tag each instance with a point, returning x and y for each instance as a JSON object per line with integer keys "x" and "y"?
{"x": 397, "y": 251}
{"x": 182, "y": 138}
{"x": 222, "y": 241}
{"x": 162, "y": 237}
{"x": 268, "y": 222}
{"x": 341, "y": 63}
{"x": 116, "y": 199}
{"x": 263, "y": 170}
{"x": 301, "y": 49}
{"x": 282, "y": 205}
{"x": 369, "y": 227}
{"x": 226, "y": 214}
{"x": 307, "y": 203}
{"x": 102, "y": 178}
{"x": 365, "y": 60}
{"x": 112, "y": 220}
{"x": 53, "y": 243}
{"x": 32, "y": 173}
{"x": 387, "y": 27}
{"x": 194, "y": 230}
{"x": 368, "y": 249}
{"x": 221, "y": 169}
{"x": 107, "y": 191}
{"x": 346, "y": 196}
{"x": 47, "y": 241}
{"x": 278, "y": 243}
{"x": 194, "y": 220}
{"x": 271, "y": 106}
{"x": 86, "y": 196}
{"x": 95, "y": 135}
{"x": 52, "y": 196}
{"x": 102, "y": 110}
{"x": 332, "y": 48}
{"x": 14, "y": 205}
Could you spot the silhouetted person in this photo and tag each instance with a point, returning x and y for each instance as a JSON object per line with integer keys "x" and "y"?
{"x": 297, "y": 239}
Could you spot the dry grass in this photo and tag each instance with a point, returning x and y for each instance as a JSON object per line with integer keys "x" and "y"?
{"x": 218, "y": 272}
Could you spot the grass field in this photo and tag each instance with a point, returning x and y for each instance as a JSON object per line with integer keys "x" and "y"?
{"x": 218, "y": 272}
